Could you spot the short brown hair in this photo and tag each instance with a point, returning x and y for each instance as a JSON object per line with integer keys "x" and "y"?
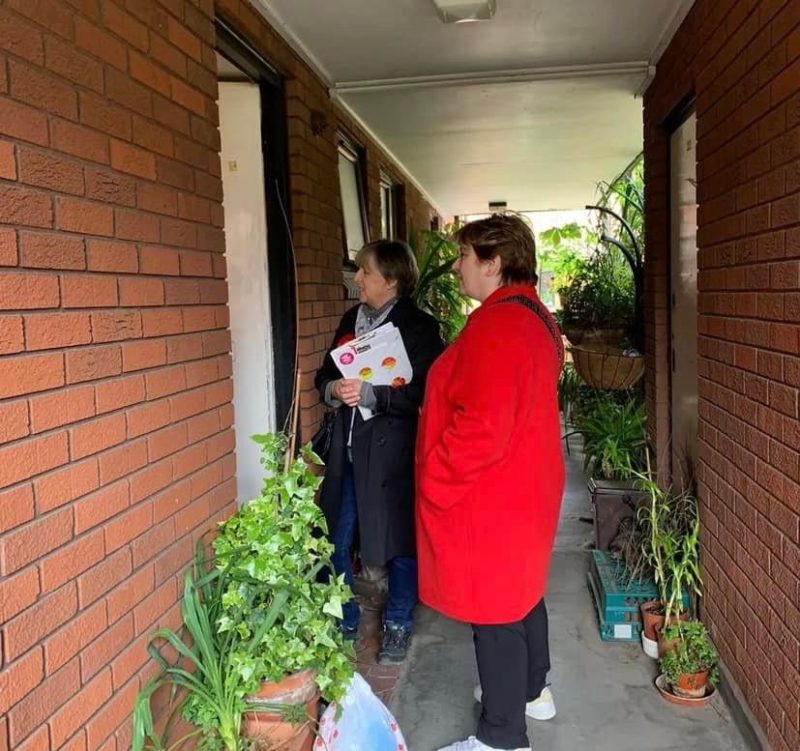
{"x": 395, "y": 260}
{"x": 507, "y": 236}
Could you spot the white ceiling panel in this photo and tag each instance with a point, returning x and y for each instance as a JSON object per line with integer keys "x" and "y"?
{"x": 477, "y": 122}
{"x": 358, "y": 39}
{"x": 538, "y": 145}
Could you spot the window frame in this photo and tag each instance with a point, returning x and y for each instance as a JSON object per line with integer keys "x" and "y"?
{"x": 390, "y": 199}
{"x": 356, "y": 154}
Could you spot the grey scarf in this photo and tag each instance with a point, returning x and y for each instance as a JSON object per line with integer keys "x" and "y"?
{"x": 369, "y": 318}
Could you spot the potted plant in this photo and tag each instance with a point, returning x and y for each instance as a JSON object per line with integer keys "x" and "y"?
{"x": 603, "y": 303}
{"x": 599, "y": 320}
{"x": 621, "y": 227}
{"x": 614, "y": 452}
{"x": 438, "y": 289}
{"x": 692, "y": 665}
{"x": 614, "y": 439}
{"x": 671, "y": 546}
{"x": 598, "y": 302}
{"x": 260, "y": 627}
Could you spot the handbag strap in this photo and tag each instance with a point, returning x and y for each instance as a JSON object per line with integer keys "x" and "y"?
{"x": 545, "y": 318}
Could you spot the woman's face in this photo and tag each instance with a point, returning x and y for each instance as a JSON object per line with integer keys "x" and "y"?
{"x": 478, "y": 278}
{"x": 374, "y": 289}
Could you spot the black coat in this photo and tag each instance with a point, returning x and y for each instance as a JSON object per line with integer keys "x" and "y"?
{"x": 383, "y": 447}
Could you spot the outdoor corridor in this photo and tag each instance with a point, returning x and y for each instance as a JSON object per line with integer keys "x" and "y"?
{"x": 604, "y": 692}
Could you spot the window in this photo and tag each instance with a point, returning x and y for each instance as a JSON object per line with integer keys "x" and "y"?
{"x": 354, "y": 210}
{"x": 389, "y": 207}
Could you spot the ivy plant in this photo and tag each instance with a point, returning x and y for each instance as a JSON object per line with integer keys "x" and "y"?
{"x": 272, "y": 552}
{"x": 256, "y": 611}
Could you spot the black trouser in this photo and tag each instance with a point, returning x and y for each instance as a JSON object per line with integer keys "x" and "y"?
{"x": 513, "y": 662}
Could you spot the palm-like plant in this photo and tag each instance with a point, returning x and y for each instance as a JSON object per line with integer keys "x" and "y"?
{"x": 614, "y": 438}
{"x": 438, "y": 289}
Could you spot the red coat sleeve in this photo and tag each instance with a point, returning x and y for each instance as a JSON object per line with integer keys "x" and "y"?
{"x": 492, "y": 369}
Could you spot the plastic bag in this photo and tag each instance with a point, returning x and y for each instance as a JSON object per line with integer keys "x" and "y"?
{"x": 365, "y": 724}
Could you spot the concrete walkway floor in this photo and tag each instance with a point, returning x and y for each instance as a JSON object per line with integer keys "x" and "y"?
{"x": 604, "y": 692}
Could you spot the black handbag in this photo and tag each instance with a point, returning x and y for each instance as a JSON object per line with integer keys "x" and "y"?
{"x": 323, "y": 438}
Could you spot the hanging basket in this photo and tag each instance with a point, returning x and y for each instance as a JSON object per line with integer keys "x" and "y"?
{"x": 605, "y": 367}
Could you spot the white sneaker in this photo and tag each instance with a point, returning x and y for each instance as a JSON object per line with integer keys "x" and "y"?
{"x": 541, "y": 708}
{"x": 473, "y": 744}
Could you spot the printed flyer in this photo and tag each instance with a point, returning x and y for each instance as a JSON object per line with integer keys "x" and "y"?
{"x": 378, "y": 357}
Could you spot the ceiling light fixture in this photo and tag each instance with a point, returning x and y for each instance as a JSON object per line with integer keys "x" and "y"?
{"x": 463, "y": 11}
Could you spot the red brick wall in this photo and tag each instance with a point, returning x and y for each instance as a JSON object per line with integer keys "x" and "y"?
{"x": 742, "y": 60}
{"x": 115, "y": 393}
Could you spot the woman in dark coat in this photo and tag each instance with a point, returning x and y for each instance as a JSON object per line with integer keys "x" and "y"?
{"x": 368, "y": 491}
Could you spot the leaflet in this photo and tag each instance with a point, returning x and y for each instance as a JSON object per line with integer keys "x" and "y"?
{"x": 378, "y": 357}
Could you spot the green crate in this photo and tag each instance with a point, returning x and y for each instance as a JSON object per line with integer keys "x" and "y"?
{"x": 617, "y": 599}
{"x": 612, "y": 631}
{"x": 617, "y": 593}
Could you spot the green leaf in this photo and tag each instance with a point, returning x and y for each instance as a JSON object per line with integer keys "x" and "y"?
{"x": 333, "y": 607}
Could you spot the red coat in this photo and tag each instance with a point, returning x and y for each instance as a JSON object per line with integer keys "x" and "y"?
{"x": 490, "y": 473}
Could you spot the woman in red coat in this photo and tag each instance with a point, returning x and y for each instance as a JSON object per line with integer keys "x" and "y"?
{"x": 490, "y": 477}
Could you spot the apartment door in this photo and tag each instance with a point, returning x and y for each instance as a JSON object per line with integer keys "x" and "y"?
{"x": 683, "y": 292}
{"x": 244, "y": 205}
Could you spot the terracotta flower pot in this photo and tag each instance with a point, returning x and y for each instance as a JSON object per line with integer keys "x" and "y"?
{"x": 682, "y": 701}
{"x": 270, "y": 731}
{"x": 665, "y": 645}
{"x": 651, "y": 620}
{"x": 691, "y": 685}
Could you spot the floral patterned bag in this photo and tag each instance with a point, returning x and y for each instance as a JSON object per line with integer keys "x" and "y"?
{"x": 363, "y": 723}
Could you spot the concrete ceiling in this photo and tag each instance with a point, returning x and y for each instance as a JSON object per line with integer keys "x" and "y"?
{"x": 533, "y": 107}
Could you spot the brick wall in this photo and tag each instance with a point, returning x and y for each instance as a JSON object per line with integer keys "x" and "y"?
{"x": 742, "y": 60}
{"x": 115, "y": 392}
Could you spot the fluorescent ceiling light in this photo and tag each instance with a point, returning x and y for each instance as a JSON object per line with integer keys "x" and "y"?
{"x": 460, "y": 11}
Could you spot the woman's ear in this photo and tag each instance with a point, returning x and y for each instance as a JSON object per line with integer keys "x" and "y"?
{"x": 494, "y": 267}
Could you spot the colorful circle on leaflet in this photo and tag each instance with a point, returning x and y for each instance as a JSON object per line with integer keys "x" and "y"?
{"x": 397, "y": 382}
{"x": 346, "y": 358}
{"x": 365, "y": 373}
{"x": 388, "y": 363}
